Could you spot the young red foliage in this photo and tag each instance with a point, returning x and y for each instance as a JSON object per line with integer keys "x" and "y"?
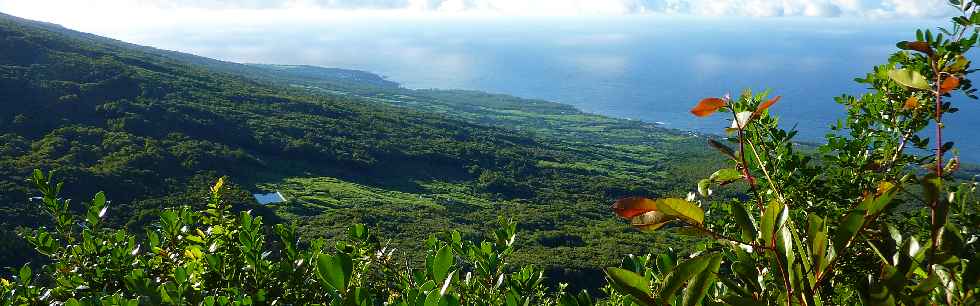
{"x": 707, "y": 106}
{"x": 949, "y": 84}
{"x": 633, "y": 206}
{"x": 762, "y": 107}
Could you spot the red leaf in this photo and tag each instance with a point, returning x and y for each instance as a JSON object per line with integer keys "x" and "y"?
{"x": 707, "y": 107}
{"x": 949, "y": 84}
{"x": 762, "y": 107}
{"x": 633, "y": 206}
{"x": 920, "y": 46}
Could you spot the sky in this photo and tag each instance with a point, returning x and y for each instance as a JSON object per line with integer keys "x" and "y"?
{"x": 113, "y": 11}
{"x": 139, "y": 20}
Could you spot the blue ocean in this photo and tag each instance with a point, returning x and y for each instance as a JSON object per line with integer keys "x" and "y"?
{"x": 651, "y": 68}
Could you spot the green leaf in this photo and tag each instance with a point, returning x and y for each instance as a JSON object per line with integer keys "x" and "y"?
{"x": 335, "y": 270}
{"x": 448, "y": 300}
{"x": 99, "y": 199}
{"x": 631, "y": 283}
{"x": 566, "y": 300}
{"x": 921, "y": 291}
{"x": 742, "y": 301}
{"x": 682, "y": 273}
{"x": 682, "y": 209}
{"x": 433, "y": 298}
{"x": 848, "y": 228}
{"x": 194, "y": 238}
{"x": 971, "y": 275}
{"x": 725, "y": 176}
{"x": 819, "y": 244}
{"x": 909, "y": 78}
{"x": 39, "y": 180}
{"x": 180, "y": 275}
{"x": 357, "y": 231}
{"x": 666, "y": 261}
{"x": 722, "y": 148}
{"x": 744, "y": 221}
{"x": 959, "y": 65}
{"x": 24, "y": 274}
{"x": 855, "y": 220}
{"x": 784, "y": 246}
{"x": 884, "y": 195}
{"x": 772, "y": 218}
{"x": 96, "y": 209}
{"x": 878, "y": 295}
{"x": 734, "y": 286}
{"x": 703, "y": 187}
{"x": 698, "y": 287}
{"x": 931, "y": 187}
{"x": 511, "y": 299}
{"x": 441, "y": 263}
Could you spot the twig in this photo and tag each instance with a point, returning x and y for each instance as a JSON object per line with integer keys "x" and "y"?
{"x": 717, "y": 236}
{"x": 772, "y": 183}
{"x": 744, "y": 165}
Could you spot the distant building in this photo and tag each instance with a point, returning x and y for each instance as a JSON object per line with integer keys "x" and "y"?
{"x": 269, "y": 198}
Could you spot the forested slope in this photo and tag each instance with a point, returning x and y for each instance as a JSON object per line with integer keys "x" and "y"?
{"x": 153, "y": 127}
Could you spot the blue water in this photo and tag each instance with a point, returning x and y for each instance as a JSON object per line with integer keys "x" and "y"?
{"x": 649, "y": 68}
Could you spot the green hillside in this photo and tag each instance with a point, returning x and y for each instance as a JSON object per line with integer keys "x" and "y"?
{"x": 152, "y": 127}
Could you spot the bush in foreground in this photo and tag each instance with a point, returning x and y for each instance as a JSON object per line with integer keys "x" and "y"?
{"x": 216, "y": 257}
{"x": 868, "y": 224}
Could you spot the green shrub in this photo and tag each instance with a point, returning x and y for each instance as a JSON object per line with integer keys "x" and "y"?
{"x": 217, "y": 257}
{"x": 828, "y": 231}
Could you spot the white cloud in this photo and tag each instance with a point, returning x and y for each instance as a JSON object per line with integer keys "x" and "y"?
{"x": 922, "y": 8}
{"x": 753, "y": 8}
{"x": 141, "y": 21}
{"x": 819, "y": 8}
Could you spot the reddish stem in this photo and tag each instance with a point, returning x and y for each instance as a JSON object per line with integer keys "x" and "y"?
{"x": 934, "y": 206}
{"x": 939, "y": 125}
